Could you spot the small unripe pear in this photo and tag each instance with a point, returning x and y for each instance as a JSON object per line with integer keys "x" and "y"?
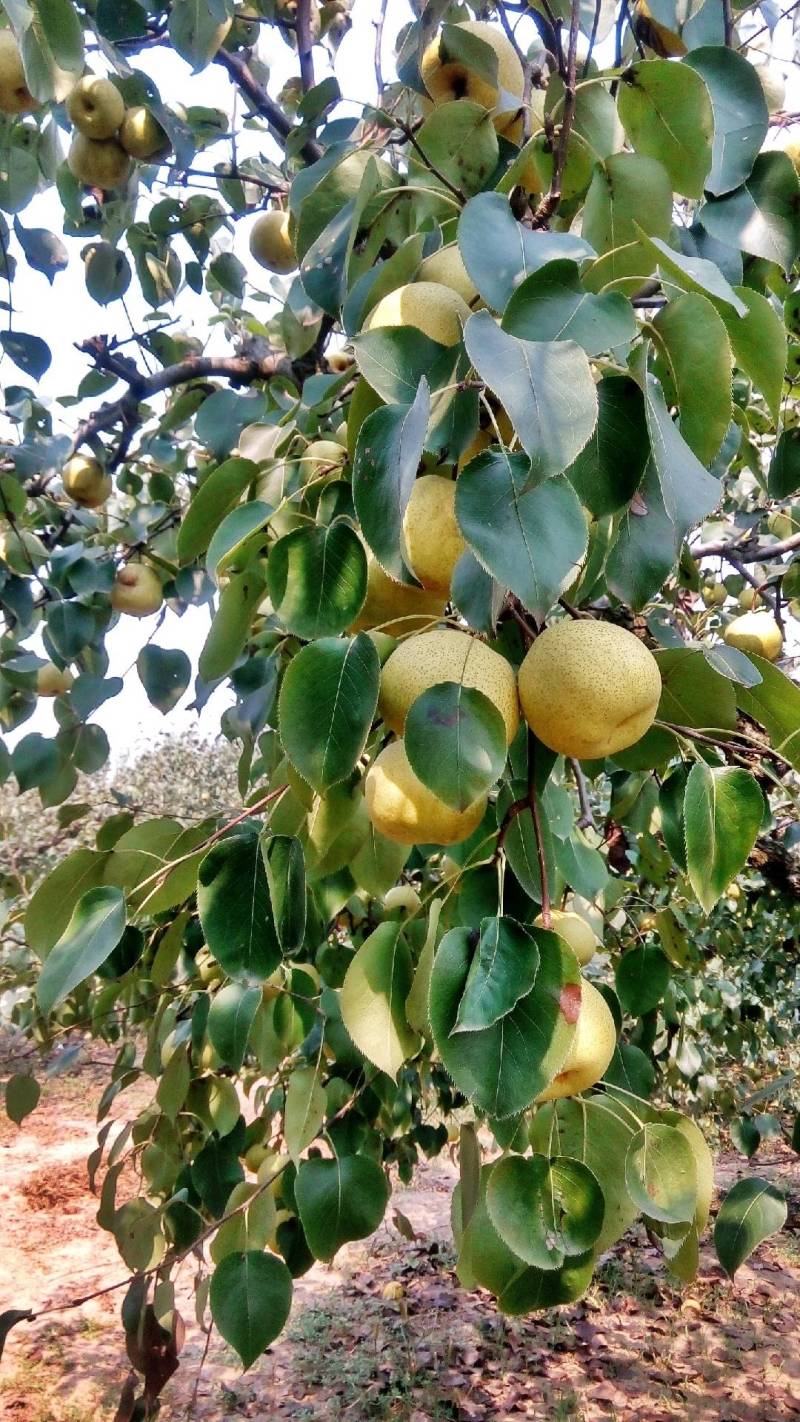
{"x": 575, "y": 931}
{"x": 52, "y": 680}
{"x": 271, "y": 244}
{"x": 142, "y": 136}
{"x": 436, "y": 310}
{"x": 15, "y": 96}
{"x": 756, "y": 632}
{"x": 402, "y": 896}
{"x": 96, "y": 107}
{"x": 99, "y": 163}
{"x": 85, "y": 481}
{"x": 137, "y": 591}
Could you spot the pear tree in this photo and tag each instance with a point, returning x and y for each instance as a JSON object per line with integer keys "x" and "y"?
{"x": 479, "y": 470}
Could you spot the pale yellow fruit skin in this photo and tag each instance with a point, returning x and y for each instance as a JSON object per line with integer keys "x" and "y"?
{"x": 99, "y": 163}
{"x": 446, "y": 82}
{"x": 485, "y": 437}
{"x": 402, "y": 808}
{"x": 447, "y": 268}
{"x": 270, "y": 243}
{"x": 575, "y": 931}
{"x": 433, "y": 539}
{"x": 142, "y": 136}
{"x": 321, "y": 456}
{"x": 436, "y": 310}
{"x": 446, "y": 655}
{"x": 15, "y": 96}
{"x": 792, "y": 151}
{"x": 746, "y": 599}
{"x": 756, "y": 632}
{"x": 402, "y": 896}
{"x": 396, "y": 608}
{"x": 137, "y": 591}
{"x": 52, "y": 681}
{"x": 591, "y": 1050}
{"x": 714, "y": 594}
{"x": 340, "y": 361}
{"x": 588, "y": 689}
{"x": 774, "y": 86}
{"x": 85, "y": 481}
{"x": 96, "y": 107}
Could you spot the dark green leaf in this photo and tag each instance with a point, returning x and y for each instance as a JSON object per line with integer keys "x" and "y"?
{"x": 455, "y": 740}
{"x": 286, "y": 877}
{"x": 326, "y": 707}
{"x": 641, "y": 979}
{"x": 693, "y": 341}
{"x": 545, "y": 1210}
{"x": 740, "y": 114}
{"x": 387, "y": 456}
{"x": 723, "y": 809}
{"x": 499, "y": 252}
{"x": 761, "y": 216}
{"x": 235, "y": 911}
{"x": 92, "y": 934}
{"x": 164, "y": 675}
{"x": 22, "y": 1092}
{"x": 339, "y": 1200}
{"x": 751, "y": 1211}
{"x": 218, "y": 494}
{"x": 502, "y": 971}
{"x": 30, "y": 353}
{"x": 317, "y": 579}
{"x": 609, "y": 468}
{"x": 230, "y": 1022}
{"x": 552, "y": 305}
{"x": 250, "y": 1298}
{"x": 784, "y": 470}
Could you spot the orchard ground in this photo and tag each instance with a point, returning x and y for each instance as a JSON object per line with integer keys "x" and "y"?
{"x": 634, "y": 1347}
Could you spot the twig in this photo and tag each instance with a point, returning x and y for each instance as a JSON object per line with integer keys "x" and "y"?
{"x": 379, "y": 24}
{"x": 305, "y": 44}
{"x": 746, "y": 551}
{"x": 409, "y": 133}
{"x": 598, "y": 5}
{"x": 552, "y": 198}
{"x": 240, "y": 72}
{"x": 727, "y": 20}
{"x": 771, "y": 599}
{"x": 586, "y": 820}
{"x": 533, "y": 801}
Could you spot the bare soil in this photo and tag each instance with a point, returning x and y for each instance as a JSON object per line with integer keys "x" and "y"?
{"x": 426, "y": 1351}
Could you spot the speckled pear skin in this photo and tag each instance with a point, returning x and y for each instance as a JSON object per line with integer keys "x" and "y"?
{"x": 402, "y": 808}
{"x": 589, "y": 689}
{"x": 446, "y": 655}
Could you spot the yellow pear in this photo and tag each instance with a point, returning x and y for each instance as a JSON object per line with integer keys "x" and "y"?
{"x": 446, "y": 80}
{"x": 402, "y": 896}
{"x": 755, "y": 632}
{"x": 591, "y": 1050}
{"x": 96, "y": 107}
{"x": 588, "y": 689}
{"x": 137, "y": 591}
{"x": 656, "y": 36}
{"x": 271, "y": 244}
{"x": 15, "y": 96}
{"x": 21, "y": 549}
{"x": 485, "y": 436}
{"x": 446, "y": 655}
{"x": 339, "y": 361}
{"x": 714, "y": 593}
{"x": 433, "y": 539}
{"x": 436, "y": 310}
{"x": 99, "y": 163}
{"x": 792, "y": 151}
{"x": 447, "y": 268}
{"x": 52, "y": 681}
{"x": 142, "y": 136}
{"x": 85, "y": 481}
{"x": 402, "y": 808}
{"x": 747, "y": 598}
{"x": 575, "y": 931}
{"x": 396, "y": 608}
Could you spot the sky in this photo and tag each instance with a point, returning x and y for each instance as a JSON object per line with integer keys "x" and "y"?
{"x": 129, "y": 720}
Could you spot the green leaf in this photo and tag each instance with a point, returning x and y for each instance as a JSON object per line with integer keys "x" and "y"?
{"x": 455, "y": 740}
{"x": 93, "y": 932}
{"x": 22, "y": 1092}
{"x": 218, "y": 494}
{"x": 373, "y": 999}
{"x": 609, "y": 468}
{"x": 723, "y": 808}
{"x": 760, "y": 344}
{"x": 775, "y": 704}
{"x": 641, "y": 979}
{"x": 54, "y": 899}
{"x": 666, "y": 112}
{"x": 250, "y": 1298}
{"x": 688, "y": 491}
{"x": 732, "y": 663}
{"x": 520, "y": 841}
{"x": 286, "y": 878}
{"x": 761, "y": 216}
{"x": 35, "y": 760}
{"x": 597, "y": 1131}
{"x": 502, "y": 971}
{"x": 460, "y": 140}
{"x": 339, "y": 1200}
{"x": 238, "y": 539}
{"x": 694, "y": 341}
{"x": 44, "y": 252}
{"x": 326, "y": 707}
{"x": 673, "y": 823}
{"x": 30, "y": 353}
{"x": 317, "y": 579}
{"x": 232, "y": 623}
{"x": 545, "y": 1210}
{"x": 498, "y": 252}
{"x": 503, "y": 1067}
{"x": 692, "y": 692}
{"x": 387, "y": 456}
{"x": 62, "y": 31}
{"x": 532, "y": 540}
{"x": 751, "y": 1211}
{"x": 395, "y": 359}
{"x": 235, "y": 911}
{"x": 552, "y": 305}
{"x": 631, "y": 1070}
{"x": 745, "y": 1136}
{"x": 661, "y": 1174}
{"x": 164, "y": 675}
{"x": 546, "y": 387}
{"x": 230, "y": 1022}
{"x": 690, "y": 273}
{"x": 783, "y": 478}
{"x": 196, "y": 31}
{"x": 304, "y": 1111}
{"x": 378, "y": 863}
{"x": 628, "y": 195}
{"x": 740, "y": 114}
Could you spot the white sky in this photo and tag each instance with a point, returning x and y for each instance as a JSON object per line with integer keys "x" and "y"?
{"x": 129, "y": 720}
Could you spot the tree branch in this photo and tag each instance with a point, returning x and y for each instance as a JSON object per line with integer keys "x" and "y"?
{"x": 746, "y": 551}
{"x": 305, "y": 45}
{"x": 280, "y": 125}
{"x": 379, "y": 24}
{"x": 552, "y": 198}
{"x": 586, "y": 820}
{"x": 727, "y": 19}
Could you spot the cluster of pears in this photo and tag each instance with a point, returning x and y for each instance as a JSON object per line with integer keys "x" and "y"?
{"x": 108, "y": 135}
{"x": 587, "y": 689}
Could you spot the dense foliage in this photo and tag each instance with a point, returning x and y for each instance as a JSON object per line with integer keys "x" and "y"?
{"x": 489, "y": 495}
